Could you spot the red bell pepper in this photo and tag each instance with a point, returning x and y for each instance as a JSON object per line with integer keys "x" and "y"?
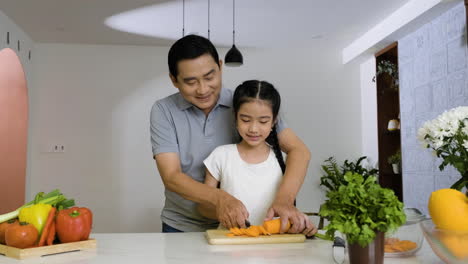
{"x": 73, "y": 224}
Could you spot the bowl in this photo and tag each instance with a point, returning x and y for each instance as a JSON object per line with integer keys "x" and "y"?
{"x": 408, "y": 238}
{"x": 450, "y": 246}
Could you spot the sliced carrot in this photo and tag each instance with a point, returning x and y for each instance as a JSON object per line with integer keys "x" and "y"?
{"x": 389, "y": 249}
{"x": 252, "y": 231}
{"x": 396, "y": 245}
{"x": 51, "y": 235}
{"x": 263, "y": 231}
{"x": 236, "y": 231}
{"x": 45, "y": 231}
{"x": 268, "y": 228}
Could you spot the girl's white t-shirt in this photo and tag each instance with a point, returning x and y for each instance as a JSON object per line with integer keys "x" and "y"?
{"x": 255, "y": 185}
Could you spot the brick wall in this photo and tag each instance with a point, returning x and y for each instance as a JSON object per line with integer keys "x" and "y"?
{"x": 433, "y": 68}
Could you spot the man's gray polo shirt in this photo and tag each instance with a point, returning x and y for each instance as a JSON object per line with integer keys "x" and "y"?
{"x": 178, "y": 126}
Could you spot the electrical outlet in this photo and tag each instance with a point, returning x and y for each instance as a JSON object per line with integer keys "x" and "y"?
{"x": 60, "y": 148}
{"x": 57, "y": 148}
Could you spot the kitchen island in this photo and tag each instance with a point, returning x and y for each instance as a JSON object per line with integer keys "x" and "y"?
{"x": 182, "y": 248}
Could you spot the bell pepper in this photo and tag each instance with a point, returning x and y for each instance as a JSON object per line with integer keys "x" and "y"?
{"x": 36, "y": 215}
{"x": 73, "y": 224}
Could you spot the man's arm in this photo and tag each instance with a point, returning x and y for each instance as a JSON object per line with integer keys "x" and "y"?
{"x": 231, "y": 212}
{"x": 297, "y": 162}
{"x": 206, "y": 209}
{"x": 175, "y": 180}
{"x": 210, "y": 211}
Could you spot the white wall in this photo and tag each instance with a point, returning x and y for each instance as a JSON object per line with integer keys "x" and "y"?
{"x": 370, "y": 146}
{"x": 96, "y": 101}
{"x": 26, "y": 45}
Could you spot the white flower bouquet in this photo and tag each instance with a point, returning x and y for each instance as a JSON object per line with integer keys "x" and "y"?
{"x": 447, "y": 136}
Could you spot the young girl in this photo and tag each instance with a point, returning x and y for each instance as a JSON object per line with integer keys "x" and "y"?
{"x": 251, "y": 170}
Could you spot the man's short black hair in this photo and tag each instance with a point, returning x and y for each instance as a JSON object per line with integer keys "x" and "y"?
{"x": 190, "y": 47}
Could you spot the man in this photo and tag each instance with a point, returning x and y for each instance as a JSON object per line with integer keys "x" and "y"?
{"x": 188, "y": 125}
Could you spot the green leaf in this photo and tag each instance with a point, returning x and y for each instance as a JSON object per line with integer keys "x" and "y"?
{"x": 361, "y": 207}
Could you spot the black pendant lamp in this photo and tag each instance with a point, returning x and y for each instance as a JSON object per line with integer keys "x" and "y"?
{"x": 208, "y": 19}
{"x": 183, "y": 18}
{"x": 233, "y": 57}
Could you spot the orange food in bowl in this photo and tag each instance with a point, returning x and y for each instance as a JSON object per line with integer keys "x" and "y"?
{"x": 449, "y": 209}
{"x": 393, "y": 245}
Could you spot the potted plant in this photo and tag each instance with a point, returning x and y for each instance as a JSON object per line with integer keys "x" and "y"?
{"x": 363, "y": 211}
{"x": 334, "y": 178}
{"x": 391, "y": 69}
{"x": 395, "y": 161}
{"x": 334, "y": 174}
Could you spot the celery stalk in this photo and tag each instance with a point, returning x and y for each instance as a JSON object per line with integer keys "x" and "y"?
{"x": 54, "y": 198}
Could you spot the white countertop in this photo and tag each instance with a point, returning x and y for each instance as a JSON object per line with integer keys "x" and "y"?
{"x": 182, "y": 248}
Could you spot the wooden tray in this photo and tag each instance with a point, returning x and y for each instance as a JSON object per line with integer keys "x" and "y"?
{"x": 218, "y": 237}
{"x": 18, "y": 253}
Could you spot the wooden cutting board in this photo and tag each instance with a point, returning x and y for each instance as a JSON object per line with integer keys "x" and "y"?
{"x": 17, "y": 253}
{"x": 218, "y": 237}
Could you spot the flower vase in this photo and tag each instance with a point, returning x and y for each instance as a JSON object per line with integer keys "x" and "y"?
{"x": 371, "y": 254}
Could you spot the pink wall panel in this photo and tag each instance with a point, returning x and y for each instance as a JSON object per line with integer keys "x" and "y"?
{"x": 13, "y": 131}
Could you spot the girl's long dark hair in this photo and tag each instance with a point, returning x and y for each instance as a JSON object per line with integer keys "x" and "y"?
{"x": 261, "y": 90}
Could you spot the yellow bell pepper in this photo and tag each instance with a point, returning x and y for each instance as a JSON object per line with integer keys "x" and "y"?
{"x": 36, "y": 215}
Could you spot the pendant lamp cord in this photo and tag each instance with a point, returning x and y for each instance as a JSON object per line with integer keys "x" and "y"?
{"x": 208, "y": 19}
{"x": 183, "y": 18}
{"x": 233, "y": 22}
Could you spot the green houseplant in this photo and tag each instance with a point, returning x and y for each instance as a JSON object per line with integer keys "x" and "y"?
{"x": 333, "y": 178}
{"x": 388, "y": 67}
{"x": 363, "y": 211}
{"x": 395, "y": 161}
{"x": 334, "y": 174}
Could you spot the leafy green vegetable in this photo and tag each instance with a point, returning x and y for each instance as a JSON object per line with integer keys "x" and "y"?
{"x": 360, "y": 208}
{"x": 334, "y": 174}
{"x": 54, "y": 198}
{"x": 324, "y": 237}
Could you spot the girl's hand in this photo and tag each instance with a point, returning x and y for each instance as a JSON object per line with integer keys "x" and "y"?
{"x": 300, "y": 223}
{"x": 287, "y": 212}
{"x": 310, "y": 229}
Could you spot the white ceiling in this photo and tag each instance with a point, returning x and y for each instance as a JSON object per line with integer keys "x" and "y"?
{"x": 259, "y": 23}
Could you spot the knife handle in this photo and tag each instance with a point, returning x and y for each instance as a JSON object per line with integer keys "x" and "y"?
{"x": 338, "y": 255}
